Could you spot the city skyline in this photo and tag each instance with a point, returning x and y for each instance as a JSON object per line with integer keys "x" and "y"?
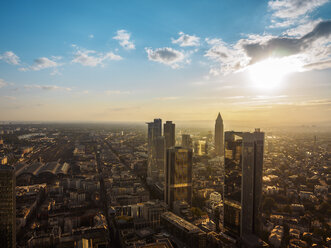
{"x": 84, "y": 62}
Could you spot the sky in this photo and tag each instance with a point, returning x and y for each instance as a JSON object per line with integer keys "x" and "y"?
{"x": 257, "y": 62}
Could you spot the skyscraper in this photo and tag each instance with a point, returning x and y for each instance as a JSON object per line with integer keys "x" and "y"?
{"x": 7, "y": 206}
{"x": 219, "y": 136}
{"x": 200, "y": 147}
{"x": 154, "y": 132}
{"x": 169, "y": 134}
{"x": 178, "y": 176}
{"x": 158, "y": 158}
{"x": 186, "y": 141}
{"x": 243, "y": 162}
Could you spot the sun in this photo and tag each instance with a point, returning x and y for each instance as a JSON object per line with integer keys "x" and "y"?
{"x": 270, "y": 73}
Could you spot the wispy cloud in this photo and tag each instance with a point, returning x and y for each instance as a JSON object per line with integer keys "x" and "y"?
{"x": 234, "y": 97}
{"x": 167, "y": 98}
{"x": 305, "y": 26}
{"x": 121, "y": 109}
{"x": 43, "y": 63}
{"x": 316, "y": 102}
{"x": 92, "y": 58}
{"x": 262, "y": 97}
{"x": 12, "y": 98}
{"x": 123, "y": 37}
{"x": 167, "y": 56}
{"x": 117, "y": 92}
{"x": 294, "y": 8}
{"x": 10, "y": 58}
{"x": 186, "y": 40}
{"x": 321, "y": 65}
{"x": 3, "y": 83}
{"x": 47, "y": 87}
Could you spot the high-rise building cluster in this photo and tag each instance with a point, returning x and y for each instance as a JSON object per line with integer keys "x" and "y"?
{"x": 168, "y": 165}
{"x": 157, "y": 146}
{"x": 130, "y": 199}
{"x": 243, "y": 164}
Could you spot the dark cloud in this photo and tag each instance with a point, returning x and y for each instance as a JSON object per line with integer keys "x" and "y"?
{"x": 285, "y": 46}
{"x": 165, "y": 55}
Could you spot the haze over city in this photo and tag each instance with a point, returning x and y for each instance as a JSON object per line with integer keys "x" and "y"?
{"x": 165, "y": 124}
{"x": 260, "y": 62}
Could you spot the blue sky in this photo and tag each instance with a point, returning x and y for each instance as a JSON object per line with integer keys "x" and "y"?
{"x": 181, "y": 60}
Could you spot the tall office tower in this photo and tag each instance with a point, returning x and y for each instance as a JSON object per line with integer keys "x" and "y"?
{"x": 7, "y": 206}
{"x": 169, "y": 134}
{"x": 186, "y": 141}
{"x": 219, "y": 136}
{"x": 159, "y": 159}
{"x": 154, "y": 131}
{"x": 178, "y": 176}
{"x": 200, "y": 147}
{"x": 243, "y": 162}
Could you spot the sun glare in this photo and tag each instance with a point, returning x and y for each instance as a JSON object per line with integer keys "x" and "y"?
{"x": 270, "y": 73}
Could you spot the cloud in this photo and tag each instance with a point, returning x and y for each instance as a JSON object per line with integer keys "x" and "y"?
{"x": 44, "y": 63}
{"x": 121, "y": 109}
{"x": 293, "y": 9}
{"x": 294, "y": 14}
{"x": 319, "y": 65}
{"x": 303, "y": 28}
{"x": 167, "y": 98}
{"x": 123, "y": 37}
{"x": 286, "y": 46}
{"x": 3, "y": 83}
{"x": 167, "y": 56}
{"x": 92, "y": 58}
{"x": 186, "y": 40}
{"x": 47, "y": 87}
{"x": 229, "y": 57}
{"x": 312, "y": 49}
{"x": 317, "y": 102}
{"x": 91, "y": 36}
{"x": 118, "y": 92}
{"x": 262, "y": 97}
{"x": 10, "y": 58}
{"x": 10, "y": 98}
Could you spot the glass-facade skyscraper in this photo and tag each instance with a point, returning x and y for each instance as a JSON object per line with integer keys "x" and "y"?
{"x": 243, "y": 163}
{"x": 154, "y": 134}
{"x": 186, "y": 141}
{"x": 7, "y": 207}
{"x": 178, "y": 176}
{"x": 169, "y": 134}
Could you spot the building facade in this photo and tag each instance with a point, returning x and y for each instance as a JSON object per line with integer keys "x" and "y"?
{"x": 169, "y": 134}
{"x": 186, "y": 141}
{"x": 243, "y": 164}
{"x": 154, "y": 132}
{"x": 7, "y": 207}
{"x": 178, "y": 176}
{"x": 219, "y": 136}
{"x": 201, "y": 147}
